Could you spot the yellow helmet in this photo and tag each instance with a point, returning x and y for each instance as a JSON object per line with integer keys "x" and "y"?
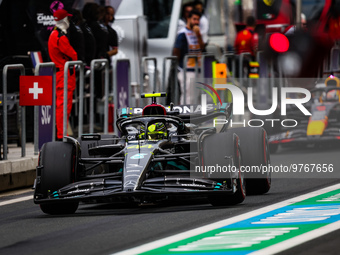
{"x": 156, "y": 131}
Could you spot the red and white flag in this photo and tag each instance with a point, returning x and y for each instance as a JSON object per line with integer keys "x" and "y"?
{"x": 35, "y": 90}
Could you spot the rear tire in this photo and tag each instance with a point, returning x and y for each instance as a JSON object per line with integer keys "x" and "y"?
{"x": 58, "y": 161}
{"x": 213, "y": 155}
{"x": 255, "y": 152}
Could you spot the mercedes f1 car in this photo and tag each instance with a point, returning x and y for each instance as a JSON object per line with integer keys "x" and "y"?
{"x": 154, "y": 158}
{"x": 322, "y": 127}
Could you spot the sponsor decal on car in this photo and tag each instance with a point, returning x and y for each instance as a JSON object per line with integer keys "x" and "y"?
{"x": 192, "y": 185}
{"x": 78, "y": 191}
{"x": 138, "y": 156}
{"x": 130, "y": 183}
{"x": 148, "y": 146}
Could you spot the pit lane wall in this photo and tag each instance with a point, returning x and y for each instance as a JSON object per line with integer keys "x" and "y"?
{"x": 18, "y": 172}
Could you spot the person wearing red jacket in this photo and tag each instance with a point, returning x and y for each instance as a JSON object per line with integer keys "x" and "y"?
{"x": 61, "y": 51}
{"x": 247, "y": 40}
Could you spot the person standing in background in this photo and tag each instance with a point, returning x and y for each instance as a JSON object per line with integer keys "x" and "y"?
{"x": 109, "y": 18}
{"x": 247, "y": 40}
{"x": 76, "y": 34}
{"x": 90, "y": 40}
{"x": 204, "y": 22}
{"x": 93, "y": 15}
{"x": 61, "y": 51}
{"x": 188, "y": 41}
{"x": 99, "y": 30}
{"x": 182, "y": 22}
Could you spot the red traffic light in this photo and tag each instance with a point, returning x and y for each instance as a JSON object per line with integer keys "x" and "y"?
{"x": 279, "y": 42}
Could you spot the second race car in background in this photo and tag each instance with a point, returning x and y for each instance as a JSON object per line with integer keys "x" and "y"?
{"x": 322, "y": 127}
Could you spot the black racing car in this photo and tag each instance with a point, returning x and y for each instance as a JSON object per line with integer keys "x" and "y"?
{"x": 155, "y": 157}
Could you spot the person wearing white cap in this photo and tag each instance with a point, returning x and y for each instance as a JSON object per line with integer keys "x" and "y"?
{"x": 61, "y": 51}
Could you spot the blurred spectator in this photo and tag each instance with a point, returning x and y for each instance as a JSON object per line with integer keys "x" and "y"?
{"x": 109, "y": 18}
{"x": 90, "y": 40}
{"x": 188, "y": 41}
{"x": 98, "y": 29}
{"x": 334, "y": 22}
{"x": 61, "y": 51}
{"x": 95, "y": 18}
{"x": 186, "y": 9}
{"x": 92, "y": 14}
{"x": 247, "y": 40}
{"x": 76, "y": 35}
{"x": 204, "y": 22}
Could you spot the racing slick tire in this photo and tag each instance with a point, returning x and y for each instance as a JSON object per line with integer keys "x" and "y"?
{"x": 213, "y": 154}
{"x": 255, "y": 153}
{"x": 58, "y": 163}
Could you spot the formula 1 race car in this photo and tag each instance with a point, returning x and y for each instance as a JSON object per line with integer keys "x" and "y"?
{"x": 154, "y": 158}
{"x": 322, "y": 127}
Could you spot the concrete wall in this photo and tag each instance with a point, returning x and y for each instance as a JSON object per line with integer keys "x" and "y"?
{"x": 17, "y": 173}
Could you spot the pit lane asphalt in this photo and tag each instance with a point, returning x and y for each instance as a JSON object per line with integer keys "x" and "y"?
{"x": 107, "y": 228}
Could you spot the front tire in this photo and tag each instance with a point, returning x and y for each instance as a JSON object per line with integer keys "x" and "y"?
{"x": 58, "y": 170}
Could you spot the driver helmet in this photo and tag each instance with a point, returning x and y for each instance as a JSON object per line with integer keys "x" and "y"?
{"x": 156, "y": 131}
{"x": 332, "y": 95}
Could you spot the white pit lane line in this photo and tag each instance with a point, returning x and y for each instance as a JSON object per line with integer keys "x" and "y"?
{"x": 16, "y": 200}
{"x": 270, "y": 250}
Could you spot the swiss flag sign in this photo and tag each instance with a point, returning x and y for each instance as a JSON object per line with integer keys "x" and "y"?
{"x": 35, "y": 90}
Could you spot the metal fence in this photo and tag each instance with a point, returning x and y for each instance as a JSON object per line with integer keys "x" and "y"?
{"x": 79, "y": 100}
{"x": 4, "y": 108}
